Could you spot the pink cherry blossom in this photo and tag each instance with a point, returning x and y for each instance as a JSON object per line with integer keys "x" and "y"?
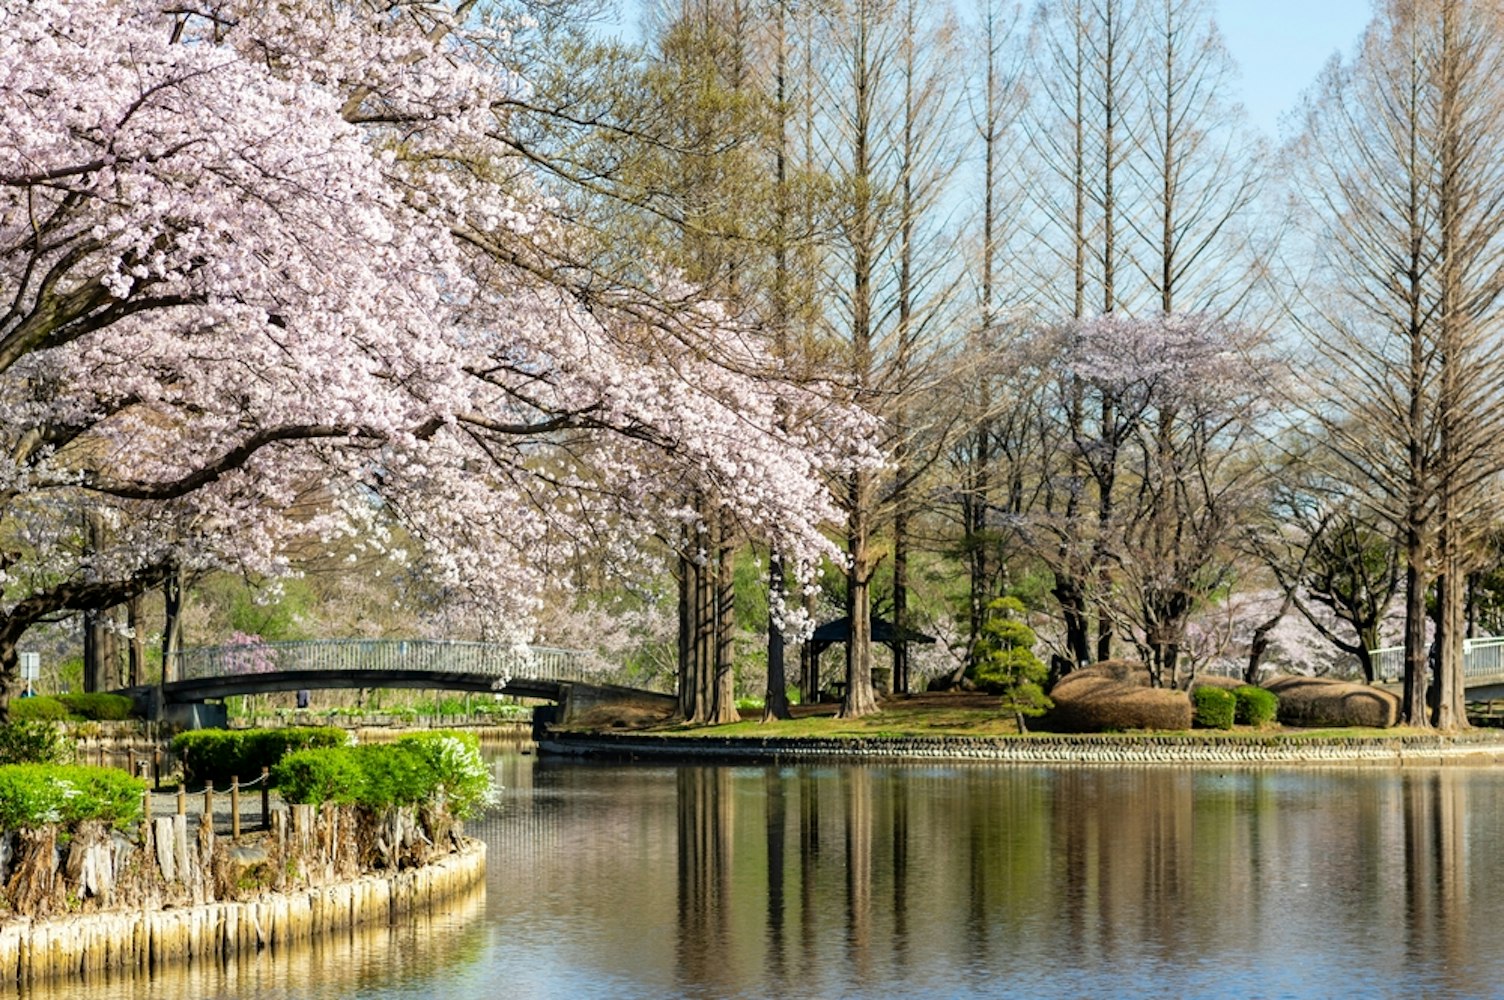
{"x": 271, "y": 272}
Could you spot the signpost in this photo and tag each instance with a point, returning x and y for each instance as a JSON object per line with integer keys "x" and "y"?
{"x": 31, "y": 669}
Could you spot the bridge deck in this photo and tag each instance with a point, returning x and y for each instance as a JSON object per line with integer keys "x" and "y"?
{"x": 557, "y": 675}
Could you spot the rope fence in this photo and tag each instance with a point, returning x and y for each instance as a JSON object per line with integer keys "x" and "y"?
{"x": 226, "y": 809}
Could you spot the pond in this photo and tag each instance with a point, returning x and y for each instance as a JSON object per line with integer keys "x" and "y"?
{"x": 973, "y": 880}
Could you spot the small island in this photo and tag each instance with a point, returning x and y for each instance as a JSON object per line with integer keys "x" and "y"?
{"x": 100, "y": 875}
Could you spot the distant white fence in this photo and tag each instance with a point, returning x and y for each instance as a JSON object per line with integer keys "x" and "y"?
{"x": 1481, "y": 657}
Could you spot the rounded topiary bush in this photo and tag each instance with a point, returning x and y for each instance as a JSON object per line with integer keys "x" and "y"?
{"x": 38, "y": 707}
{"x": 1320, "y": 701}
{"x": 1216, "y": 707}
{"x": 217, "y": 755}
{"x": 1114, "y": 696}
{"x": 1256, "y": 707}
{"x": 98, "y": 706}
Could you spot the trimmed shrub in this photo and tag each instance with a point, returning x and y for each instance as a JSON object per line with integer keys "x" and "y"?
{"x": 1114, "y": 696}
{"x": 1215, "y": 707}
{"x": 317, "y": 776}
{"x": 464, "y": 779}
{"x": 33, "y": 795}
{"x": 1256, "y": 707}
{"x": 218, "y": 755}
{"x": 393, "y": 775}
{"x": 97, "y": 706}
{"x": 1320, "y": 701}
{"x": 41, "y": 707}
{"x": 35, "y": 742}
{"x": 443, "y": 769}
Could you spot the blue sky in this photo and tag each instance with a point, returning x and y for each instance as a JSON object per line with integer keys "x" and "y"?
{"x": 1281, "y": 45}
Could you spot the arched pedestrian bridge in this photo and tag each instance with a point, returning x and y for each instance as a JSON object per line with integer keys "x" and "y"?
{"x": 208, "y": 673}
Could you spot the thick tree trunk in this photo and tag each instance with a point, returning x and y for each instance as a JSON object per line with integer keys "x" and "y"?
{"x": 687, "y": 681}
{"x": 1068, "y": 592}
{"x": 1414, "y": 706}
{"x": 723, "y": 706}
{"x": 1451, "y": 697}
{"x": 860, "y": 699}
{"x": 135, "y": 624}
{"x": 775, "y": 703}
{"x": 173, "y": 598}
{"x": 900, "y": 682}
{"x": 704, "y": 642}
{"x": 1260, "y": 643}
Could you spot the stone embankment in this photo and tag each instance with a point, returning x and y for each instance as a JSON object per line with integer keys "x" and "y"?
{"x": 1470, "y": 748}
{"x": 103, "y": 902}
{"x": 95, "y": 944}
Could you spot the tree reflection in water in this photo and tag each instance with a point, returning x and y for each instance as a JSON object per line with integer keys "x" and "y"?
{"x": 955, "y": 880}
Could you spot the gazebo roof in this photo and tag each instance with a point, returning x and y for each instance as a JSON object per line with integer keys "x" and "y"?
{"x": 883, "y": 631}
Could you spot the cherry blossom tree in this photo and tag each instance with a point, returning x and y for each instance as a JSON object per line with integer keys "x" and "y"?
{"x": 256, "y": 255}
{"x": 1188, "y": 395}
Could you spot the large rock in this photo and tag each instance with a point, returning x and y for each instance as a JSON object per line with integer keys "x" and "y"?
{"x": 1114, "y": 696}
{"x": 1321, "y": 701}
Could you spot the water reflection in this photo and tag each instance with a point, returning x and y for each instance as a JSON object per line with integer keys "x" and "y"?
{"x": 880, "y": 880}
{"x": 651, "y": 881}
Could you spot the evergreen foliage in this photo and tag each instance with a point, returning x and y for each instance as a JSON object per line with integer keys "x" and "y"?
{"x": 218, "y": 755}
{"x": 1006, "y": 664}
{"x": 1216, "y": 708}
{"x": 97, "y": 706}
{"x": 38, "y": 708}
{"x": 1256, "y": 707}
{"x": 440, "y": 768}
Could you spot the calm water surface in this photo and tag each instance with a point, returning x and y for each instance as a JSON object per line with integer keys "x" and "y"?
{"x": 963, "y": 881}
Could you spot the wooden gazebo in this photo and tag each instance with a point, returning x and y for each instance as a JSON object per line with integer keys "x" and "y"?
{"x": 839, "y": 631}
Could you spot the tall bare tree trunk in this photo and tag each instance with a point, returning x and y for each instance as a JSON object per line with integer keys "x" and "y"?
{"x": 724, "y": 697}
{"x": 174, "y": 596}
{"x": 135, "y": 623}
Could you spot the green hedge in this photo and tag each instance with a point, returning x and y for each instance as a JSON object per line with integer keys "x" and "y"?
{"x": 438, "y": 767}
{"x": 1216, "y": 708}
{"x": 38, "y": 708}
{"x": 97, "y": 706}
{"x": 33, "y": 795}
{"x": 218, "y": 755}
{"x": 35, "y": 741}
{"x": 1256, "y": 707}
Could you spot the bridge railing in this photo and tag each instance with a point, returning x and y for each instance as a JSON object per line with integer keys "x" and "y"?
{"x": 1481, "y": 657}
{"x": 501, "y": 660}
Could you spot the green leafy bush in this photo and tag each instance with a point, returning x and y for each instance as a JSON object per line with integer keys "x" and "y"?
{"x": 38, "y": 707}
{"x": 97, "y": 706}
{"x": 1216, "y": 708}
{"x": 34, "y": 741}
{"x": 33, "y": 795}
{"x": 463, "y": 779}
{"x": 316, "y": 776}
{"x": 441, "y": 768}
{"x": 1256, "y": 707}
{"x": 218, "y": 755}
